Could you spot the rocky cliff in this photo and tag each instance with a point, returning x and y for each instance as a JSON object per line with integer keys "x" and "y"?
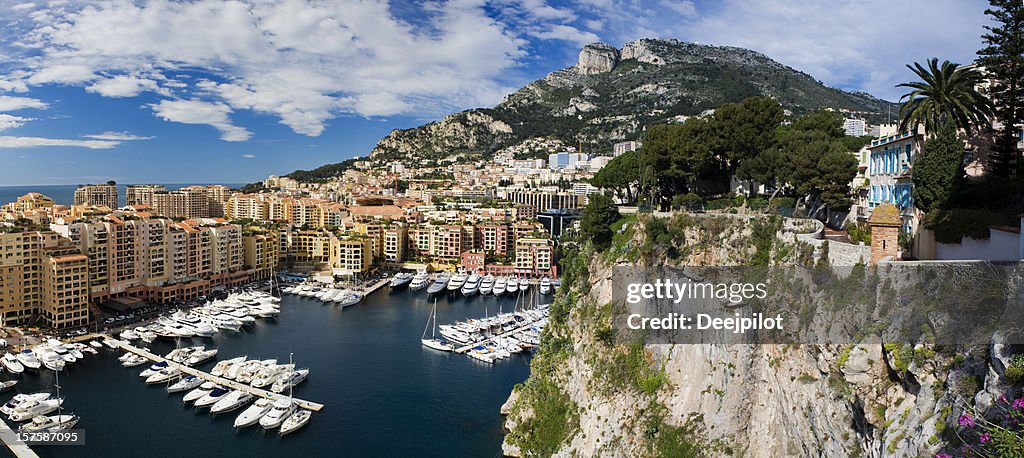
{"x": 593, "y": 394}
{"x": 611, "y": 95}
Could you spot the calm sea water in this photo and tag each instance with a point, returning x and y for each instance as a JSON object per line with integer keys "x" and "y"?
{"x": 384, "y": 394}
{"x": 65, "y": 194}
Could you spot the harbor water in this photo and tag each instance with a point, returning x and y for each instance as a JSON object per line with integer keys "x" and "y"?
{"x": 384, "y": 394}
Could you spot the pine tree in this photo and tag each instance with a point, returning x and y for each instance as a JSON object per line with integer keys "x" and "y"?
{"x": 939, "y": 170}
{"x": 1003, "y": 58}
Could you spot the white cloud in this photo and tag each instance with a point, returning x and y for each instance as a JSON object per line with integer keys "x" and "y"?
{"x": 123, "y": 86}
{"x": 10, "y": 121}
{"x": 118, "y": 136}
{"x": 10, "y": 103}
{"x": 23, "y": 6}
{"x": 31, "y": 142}
{"x": 567, "y": 33}
{"x": 249, "y": 156}
{"x": 199, "y": 112}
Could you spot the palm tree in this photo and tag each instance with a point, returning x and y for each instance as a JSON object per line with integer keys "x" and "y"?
{"x": 944, "y": 94}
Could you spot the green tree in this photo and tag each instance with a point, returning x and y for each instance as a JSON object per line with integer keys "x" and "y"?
{"x": 745, "y": 137}
{"x": 598, "y": 216}
{"x": 678, "y": 154}
{"x": 945, "y": 93}
{"x": 621, "y": 175}
{"x": 1003, "y": 58}
{"x": 939, "y": 170}
{"x": 815, "y": 160}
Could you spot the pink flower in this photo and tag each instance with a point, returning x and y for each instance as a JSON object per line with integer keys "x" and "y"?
{"x": 943, "y": 455}
{"x": 985, "y": 438}
{"x": 966, "y": 420}
{"x": 1002, "y": 398}
{"x": 1018, "y": 403}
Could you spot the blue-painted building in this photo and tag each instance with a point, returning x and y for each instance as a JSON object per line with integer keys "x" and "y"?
{"x": 889, "y": 170}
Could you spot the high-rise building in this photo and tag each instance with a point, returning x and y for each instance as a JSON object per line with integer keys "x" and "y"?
{"x": 44, "y": 276}
{"x": 621, "y": 148}
{"x": 142, "y": 194}
{"x": 97, "y": 194}
{"x": 260, "y": 251}
{"x": 854, "y": 127}
{"x": 188, "y": 203}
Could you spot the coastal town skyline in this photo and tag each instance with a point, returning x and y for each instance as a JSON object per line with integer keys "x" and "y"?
{"x": 75, "y": 110}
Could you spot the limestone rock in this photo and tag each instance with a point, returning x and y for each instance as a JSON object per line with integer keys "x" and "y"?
{"x": 597, "y": 58}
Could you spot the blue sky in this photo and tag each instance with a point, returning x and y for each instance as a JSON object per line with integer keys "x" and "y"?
{"x": 232, "y": 91}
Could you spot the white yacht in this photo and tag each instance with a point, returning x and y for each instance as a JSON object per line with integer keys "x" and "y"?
{"x": 7, "y": 385}
{"x": 28, "y": 410}
{"x": 289, "y": 380}
{"x": 200, "y": 356}
{"x": 513, "y": 285}
{"x": 156, "y": 367}
{"x": 129, "y": 334}
{"x": 20, "y": 399}
{"x": 164, "y": 375}
{"x": 545, "y": 285}
{"x": 457, "y": 281}
{"x": 401, "y": 279}
{"x": 133, "y": 360}
{"x": 58, "y": 347}
{"x": 352, "y": 298}
{"x": 231, "y": 401}
{"x": 251, "y": 415}
{"x": 92, "y": 343}
{"x": 295, "y": 421}
{"x": 199, "y": 392}
{"x": 12, "y": 364}
{"x": 472, "y": 285}
{"x": 49, "y": 423}
{"x": 186, "y": 383}
{"x": 28, "y": 359}
{"x": 439, "y": 284}
{"x": 222, "y": 367}
{"x": 283, "y": 408}
{"x": 52, "y": 361}
{"x": 487, "y": 284}
{"x": 193, "y": 324}
{"x": 270, "y": 374}
{"x": 212, "y": 397}
{"x": 500, "y": 285}
{"x": 419, "y": 281}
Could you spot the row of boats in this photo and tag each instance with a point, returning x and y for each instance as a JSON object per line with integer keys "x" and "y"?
{"x": 233, "y": 314}
{"x": 343, "y": 297}
{"x": 281, "y": 413}
{"x": 469, "y": 284}
{"x": 35, "y": 408}
{"x": 52, "y": 354}
{"x": 492, "y": 338}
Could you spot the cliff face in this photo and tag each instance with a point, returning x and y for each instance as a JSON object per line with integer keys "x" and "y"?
{"x": 610, "y": 95}
{"x": 625, "y": 399}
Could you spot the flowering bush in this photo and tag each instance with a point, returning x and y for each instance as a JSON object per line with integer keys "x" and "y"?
{"x": 1002, "y": 436}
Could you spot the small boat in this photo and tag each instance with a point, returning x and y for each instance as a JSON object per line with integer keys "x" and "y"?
{"x": 252, "y": 415}
{"x": 20, "y": 399}
{"x": 487, "y": 285}
{"x": 200, "y": 356}
{"x": 212, "y": 397}
{"x": 128, "y": 334}
{"x": 231, "y": 401}
{"x": 197, "y": 393}
{"x": 269, "y": 375}
{"x": 222, "y": 367}
{"x": 50, "y": 423}
{"x": 28, "y": 359}
{"x": 419, "y": 281}
{"x": 439, "y": 285}
{"x": 134, "y": 360}
{"x": 12, "y": 364}
{"x": 95, "y": 344}
{"x": 153, "y": 369}
{"x": 31, "y": 409}
{"x": 186, "y": 383}
{"x": 6, "y": 385}
{"x": 165, "y": 375}
{"x": 295, "y": 421}
{"x": 289, "y": 380}
{"x": 434, "y": 342}
{"x": 352, "y": 298}
{"x": 282, "y": 409}
{"x": 545, "y": 285}
{"x": 401, "y": 279}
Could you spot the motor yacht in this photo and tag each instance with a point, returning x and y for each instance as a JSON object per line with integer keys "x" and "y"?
{"x": 163, "y": 376}
{"x": 58, "y": 347}
{"x": 200, "y": 356}
{"x": 252, "y": 414}
{"x": 419, "y": 281}
{"x": 11, "y": 363}
{"x": 186, "y": 383}
{"x": 352, "y": 298}
{"x": 49, "y": 423}
{"x": 500, "y": 285}
{"x": 7, "y": 385}
{"x": 212, "y": 397}
{"x": 231, "y": 401}
{"x": 282, "y": 409}
{"x": 487, "y": 284}
{"x": 513, "y": 285}
{"x": 194, "y": 324}
{"x": 30, "y": 409}
{"x": 222, "y": 367}
{"x": 28, "y": 359}
{"x": 133, "y": 360}
{"x": 196, "y": 393}
{"x": 20, "y": 399}
{"x": 457, "y": 281}
{"x": 52, "y": 361}
{"x": 156, "y": 367}
{"x": 401, "y": 279}
{"x": 545, "y": 285}
{"x": 92, "y": 343}
{"x": 472, "y": 285}
{"x": 439, "y": 284}
{"x": 270, "y": 374}
{"x": 289, "y": 380}
{"x": 247, "y": 373}
{"x": 128, "y": 334}
{"x": 296, "y": 421}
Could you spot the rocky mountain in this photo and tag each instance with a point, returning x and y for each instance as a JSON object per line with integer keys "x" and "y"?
{"x": 611, "y": 95}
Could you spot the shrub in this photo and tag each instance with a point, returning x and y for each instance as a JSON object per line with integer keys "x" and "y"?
{"x": 1015, "y": 371}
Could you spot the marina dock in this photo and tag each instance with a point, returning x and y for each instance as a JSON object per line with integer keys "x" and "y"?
{"x": 469, "y": 347}
{"x": 18, "y": 448}
{"x": 308, "y": 405}
{"x": 380, "y": 284}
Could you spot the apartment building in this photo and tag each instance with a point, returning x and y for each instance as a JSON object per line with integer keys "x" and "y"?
{"x": 448, "y": 242}
{"x": 65, "y": 281}
{"x": 545, "y": 200}
{"x": 97, "y": 195}
{"x": 44, "y": 277}
{"x": 534, "y": 256}
{"x": 260, "y": 253}
{"x": 247, "y": 206}
{"x": 396, "y": 238}
{"x": 352, "y": 255}
{"x": 29, "y": 202}
{"x": 493, "y": 238}
{"x": 142, "y": 194}
{"x": 191, "y": 202}
{"x": 890, "y": 161}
